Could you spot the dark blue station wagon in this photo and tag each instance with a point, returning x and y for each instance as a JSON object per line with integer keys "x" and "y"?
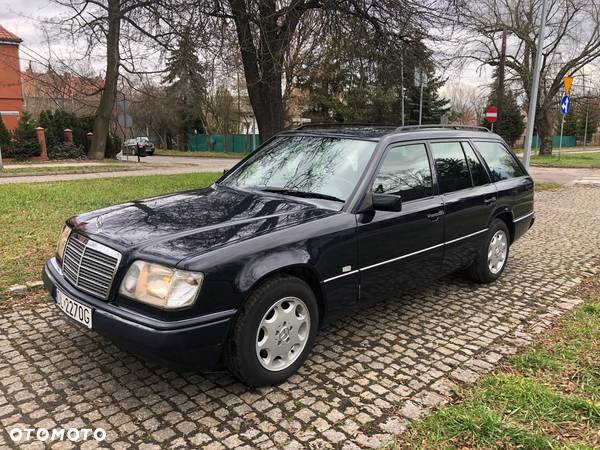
{"x": 316, "y": 221}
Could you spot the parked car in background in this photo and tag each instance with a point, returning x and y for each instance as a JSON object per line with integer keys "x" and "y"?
{"x": 313, "y": 223}
{"x": 139, "y": 146}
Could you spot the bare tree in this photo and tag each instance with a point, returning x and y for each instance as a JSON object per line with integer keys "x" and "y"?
{"x": 572, "y": 41}
{"x": 467, "y": 102}
{"x": 266, "y": 29}
{"x": 120, "y": 27}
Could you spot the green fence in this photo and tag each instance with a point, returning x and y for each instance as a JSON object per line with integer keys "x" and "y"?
{"x": 567, "y": 141}
{"x": 232, "y": 143}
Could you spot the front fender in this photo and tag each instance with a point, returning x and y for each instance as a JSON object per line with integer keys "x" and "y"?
{"x": 265, "y": 264}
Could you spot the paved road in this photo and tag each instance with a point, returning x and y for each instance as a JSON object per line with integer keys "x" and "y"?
{"x": 198, "y": 161}
{"x": 368, "y": 377}
{"x": 170, "y": 166}
{"x": 565, "y": 175}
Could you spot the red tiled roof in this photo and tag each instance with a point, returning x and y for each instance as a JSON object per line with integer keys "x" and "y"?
{"x": 7, "y": 36}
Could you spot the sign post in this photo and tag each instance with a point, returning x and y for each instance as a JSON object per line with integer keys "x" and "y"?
{"x": 565, "y": 106}
{"x": 420, "y": 81}
{"x": 491, "y": 115}
{"x": 537, "y": 68}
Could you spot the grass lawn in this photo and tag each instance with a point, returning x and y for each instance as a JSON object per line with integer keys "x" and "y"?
{"x": 32, "y": 215}
{"x": 568, "y": 160}
{"x": 67, "y": 169}
{"x": 546, "y": 398}
{"x": 165, "y": 152}
{"x": 545, "y": 186}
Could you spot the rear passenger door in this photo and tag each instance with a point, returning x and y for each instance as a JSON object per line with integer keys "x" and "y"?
{"x": 469, "y": 197}
{"x": 514, "y": 185}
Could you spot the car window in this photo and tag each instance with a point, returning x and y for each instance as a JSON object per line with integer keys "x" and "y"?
{"x": 405, "y": 171}
{"x": 478, "y": 173}
{"x": 451, "y": 165}
{"x": 501, "y": 163}
{"x": 321, "y": 165}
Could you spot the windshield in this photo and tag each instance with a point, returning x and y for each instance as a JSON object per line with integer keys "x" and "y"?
{"x": 323, "y": 166}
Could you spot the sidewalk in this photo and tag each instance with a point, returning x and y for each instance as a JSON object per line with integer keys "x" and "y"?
{"x": 564, "y": 175}
{"x": 171, "y": 167}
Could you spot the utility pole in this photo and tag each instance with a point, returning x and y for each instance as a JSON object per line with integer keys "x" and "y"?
{"x": 534, "y": 88}
{"x": 402, "y": 84}
{"x": 239, "y": 105}
{"x": 501, "y": 77}
{"x": 587, "y": 112}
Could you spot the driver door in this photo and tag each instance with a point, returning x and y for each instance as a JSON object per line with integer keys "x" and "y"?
{"x": 398, "y": 250}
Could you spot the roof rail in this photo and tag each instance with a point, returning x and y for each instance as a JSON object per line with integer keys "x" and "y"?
{"x": 453, "y": 127}
{"x": 343, "y": 125}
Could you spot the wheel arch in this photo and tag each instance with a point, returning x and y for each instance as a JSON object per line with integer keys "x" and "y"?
{"x": 506, "y": 215}
{"x": 256, "y": 274}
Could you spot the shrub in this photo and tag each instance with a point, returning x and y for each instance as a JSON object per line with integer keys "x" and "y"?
{"x": 113, "y": 146}
{"x": 55, "y": 123}
{"x": 66, "y": 150}
{"x": 4, "y": 136}
{"x": 25, "y": 144}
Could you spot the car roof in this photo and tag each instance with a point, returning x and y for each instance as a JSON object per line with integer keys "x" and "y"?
{"x": 407, "y": 133}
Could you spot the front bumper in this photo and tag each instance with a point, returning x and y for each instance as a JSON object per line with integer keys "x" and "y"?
{"x": 195, "y": 343}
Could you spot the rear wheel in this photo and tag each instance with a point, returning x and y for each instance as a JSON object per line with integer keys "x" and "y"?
{"x": 492, "y": 257}
{"x": 274, "y": 332}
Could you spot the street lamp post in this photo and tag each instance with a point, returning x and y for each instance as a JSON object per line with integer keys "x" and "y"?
{"x": 534, "y": 89}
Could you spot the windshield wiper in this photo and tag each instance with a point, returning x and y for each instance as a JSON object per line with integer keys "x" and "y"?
{"x": 304, "y": 194}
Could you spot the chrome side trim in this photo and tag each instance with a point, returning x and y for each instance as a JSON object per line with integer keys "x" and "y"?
{"x": 524, "y": 217}
{"x": 340, "y": 276}
{"x": 401, "y": 257}
{"x": 465, "y": 237}
{"x": 407, "y": 255}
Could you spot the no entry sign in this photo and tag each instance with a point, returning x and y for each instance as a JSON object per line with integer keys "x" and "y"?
{"x": 491, "y": 114}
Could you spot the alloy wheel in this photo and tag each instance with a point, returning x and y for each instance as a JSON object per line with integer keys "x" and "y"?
{"x": 497, "y": 252}
{"x": 282, "y": 334}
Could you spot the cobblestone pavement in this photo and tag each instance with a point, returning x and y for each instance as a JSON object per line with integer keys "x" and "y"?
{"x": 368, "y": 377}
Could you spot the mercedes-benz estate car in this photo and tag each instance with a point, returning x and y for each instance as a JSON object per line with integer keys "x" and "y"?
{"x": 319, "y": 220}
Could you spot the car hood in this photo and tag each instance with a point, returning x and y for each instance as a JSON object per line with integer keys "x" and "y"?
{"x": 177, "y": 226}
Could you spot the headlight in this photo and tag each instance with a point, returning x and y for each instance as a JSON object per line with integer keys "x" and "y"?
{"x": 62, "y": 242}
{"x": 161, "y": 286}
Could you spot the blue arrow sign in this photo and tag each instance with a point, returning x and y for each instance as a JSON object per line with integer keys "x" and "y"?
{"x": 565, "y": 105}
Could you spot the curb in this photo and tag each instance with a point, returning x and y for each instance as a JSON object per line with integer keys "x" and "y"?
{"x": 18, "y": 290}
{"x": 587, "y": 182}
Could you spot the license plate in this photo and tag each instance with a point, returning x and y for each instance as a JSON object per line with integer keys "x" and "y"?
{"x": 74, "y": 310}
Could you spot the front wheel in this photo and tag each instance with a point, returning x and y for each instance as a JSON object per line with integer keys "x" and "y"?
{"x": 274, "y": 332}
{"x": 492, "y": 257}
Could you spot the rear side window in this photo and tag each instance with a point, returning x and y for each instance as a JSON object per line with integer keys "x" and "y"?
{"x": 451, "y": 166}
{"x": 405, "y": 171}
{"x": 501, "y": 163}
{"x": 478, "y": 172}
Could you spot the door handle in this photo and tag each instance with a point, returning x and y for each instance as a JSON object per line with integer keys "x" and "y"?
{"x": 489, "y": 200}
{"x": 436, "y": 215}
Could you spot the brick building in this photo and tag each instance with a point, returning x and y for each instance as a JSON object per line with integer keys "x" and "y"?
{"x": 11, "y": 93}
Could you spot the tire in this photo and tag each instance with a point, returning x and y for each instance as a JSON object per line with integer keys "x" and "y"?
{"x": 256, "y": 353}
{"x": 486, "y": 268}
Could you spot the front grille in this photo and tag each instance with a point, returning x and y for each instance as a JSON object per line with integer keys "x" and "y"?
{"x": 89, "y": 265}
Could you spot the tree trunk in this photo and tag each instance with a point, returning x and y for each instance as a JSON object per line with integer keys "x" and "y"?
{"x": 109, "y": 92}
{"x": 263, "y": 64}
{"x": 545, "y": 128}
{"x": 267, "y": 103}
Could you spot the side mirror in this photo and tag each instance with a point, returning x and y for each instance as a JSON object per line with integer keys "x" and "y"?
{"x": 387, "y": 202}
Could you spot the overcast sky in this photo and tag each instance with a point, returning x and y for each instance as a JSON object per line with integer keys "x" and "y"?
{"x": 26, "y": 18}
